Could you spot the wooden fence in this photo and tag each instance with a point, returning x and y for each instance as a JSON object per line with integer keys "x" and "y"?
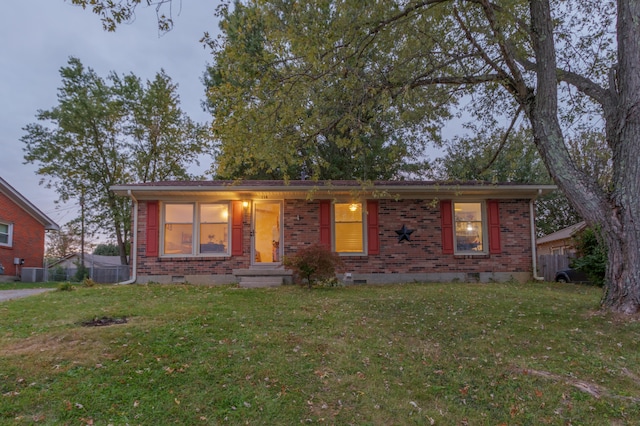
{"x": 548, "y": 264}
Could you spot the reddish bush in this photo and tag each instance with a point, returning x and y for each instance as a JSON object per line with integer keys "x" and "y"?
{"x": 314, "y": 262}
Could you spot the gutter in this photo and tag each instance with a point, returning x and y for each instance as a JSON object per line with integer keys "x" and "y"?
{"x": 534, "y": 248}
{"x": 133, "y": 250}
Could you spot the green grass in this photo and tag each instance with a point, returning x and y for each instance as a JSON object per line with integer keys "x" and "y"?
{"x": 512, "y": 354}
{"x": 18, "y": 285}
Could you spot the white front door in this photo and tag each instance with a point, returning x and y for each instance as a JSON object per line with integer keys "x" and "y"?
{"x": 266, "y": 247}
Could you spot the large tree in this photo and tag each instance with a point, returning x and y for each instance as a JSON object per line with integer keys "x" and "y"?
{"x": 558, "y": 63}
{"x": 320, "y": 129}
{"x": 108, "y": 132}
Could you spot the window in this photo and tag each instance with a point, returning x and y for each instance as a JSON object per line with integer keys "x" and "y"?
{"x": 349, "y": 229}
{"x": 214, "y": 228}
{"x": 469, "y": 230}
{"x": 6, "y": 234}
{"x": 188, "y": 233}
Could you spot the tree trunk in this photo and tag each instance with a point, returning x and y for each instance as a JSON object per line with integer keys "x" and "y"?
{"x": 618, "y": 213}
{"x": 623, "y": 227}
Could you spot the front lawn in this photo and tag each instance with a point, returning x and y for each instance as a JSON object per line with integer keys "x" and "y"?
{"x": 477, "y": 354}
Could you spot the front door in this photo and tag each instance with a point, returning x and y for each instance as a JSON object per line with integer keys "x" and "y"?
{"x": 267, "y": 233}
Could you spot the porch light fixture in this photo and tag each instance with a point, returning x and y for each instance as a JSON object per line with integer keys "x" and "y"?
{"x": 353, "y": 207}
{"x": 245, "y": 204}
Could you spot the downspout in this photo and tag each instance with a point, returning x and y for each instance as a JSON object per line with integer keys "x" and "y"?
{"x": 133, "y": 250}
{"x": 534, "y": 248}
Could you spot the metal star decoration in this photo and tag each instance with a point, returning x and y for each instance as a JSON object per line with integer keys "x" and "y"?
{"x": 404, "y": 233}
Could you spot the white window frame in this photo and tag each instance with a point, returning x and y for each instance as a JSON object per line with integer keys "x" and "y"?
{"x": 195, "y": 239}
{"x": 9, "y": 234}
{"x": 364, "y": 229}
{"x": 484, "y": 226}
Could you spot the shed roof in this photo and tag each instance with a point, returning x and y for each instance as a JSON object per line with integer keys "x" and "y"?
{"x": 562, "y": 234}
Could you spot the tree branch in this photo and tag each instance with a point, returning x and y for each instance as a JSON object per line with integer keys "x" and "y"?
{"x": 503, "y": 141}
{"x": 583, "y": 84}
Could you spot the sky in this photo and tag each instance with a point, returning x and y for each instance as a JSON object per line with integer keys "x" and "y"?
{"x": 39, "y": 36}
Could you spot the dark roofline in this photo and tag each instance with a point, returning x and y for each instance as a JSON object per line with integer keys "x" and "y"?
{"x": 27, "y": 206}
{"x": 303, "y": 188}
{"x": 319, "y": 183}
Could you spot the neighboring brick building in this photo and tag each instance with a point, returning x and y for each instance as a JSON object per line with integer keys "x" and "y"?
{"x": 392, "y": 231}
{"x": 22, "y": 229}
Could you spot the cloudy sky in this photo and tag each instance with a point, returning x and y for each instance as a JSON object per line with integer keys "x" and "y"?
{"x": 39, "y": 36}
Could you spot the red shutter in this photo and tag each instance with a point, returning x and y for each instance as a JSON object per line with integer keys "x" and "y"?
{"x": 373, "y": 240}
{"x": 325, "y": 223}
{"x": 446, "y": 217}
{"x": 153, "y": 225}
{"x": 493, "y": 208}
{"x": 236, "y": 228}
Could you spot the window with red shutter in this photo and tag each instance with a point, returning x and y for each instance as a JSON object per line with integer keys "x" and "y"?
{"x": 373, "y": 239}
{"x": 153, "y": 226}
{"x": 325, "y": 223}
{"x": 236, "y": 228}
{"x": 493, "y": 211}
{"x": 446, "y": 218}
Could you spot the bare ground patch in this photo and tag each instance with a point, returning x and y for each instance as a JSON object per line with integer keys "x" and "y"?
{"x": 86, "y": 346}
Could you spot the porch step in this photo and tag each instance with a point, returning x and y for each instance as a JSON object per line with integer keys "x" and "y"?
{"x": 255, "y": 278}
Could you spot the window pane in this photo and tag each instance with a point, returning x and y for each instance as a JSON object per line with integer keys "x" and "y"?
{"x": 178, "y": 213}
{"x": 351, "y": 212}
{"x": 348, "y": 228}
{"x": 178, "y": 238}
{"x": 4, "y": 233}
{"x": 468, "y": 218}
{"x": 214, "y": 213}
{"x": 214, "y": 238}
{"x": 349, "y": 238}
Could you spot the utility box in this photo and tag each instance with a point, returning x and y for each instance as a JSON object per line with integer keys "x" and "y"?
{"x": 32, "y": 275}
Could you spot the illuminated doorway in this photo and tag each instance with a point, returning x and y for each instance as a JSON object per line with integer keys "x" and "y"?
{"x": 267, "y": 232}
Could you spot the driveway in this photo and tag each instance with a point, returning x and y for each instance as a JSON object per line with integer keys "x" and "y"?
{"x": 16, "y": 294}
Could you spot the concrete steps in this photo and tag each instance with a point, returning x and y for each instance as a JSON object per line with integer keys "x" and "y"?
{"x": 256, "y": 278}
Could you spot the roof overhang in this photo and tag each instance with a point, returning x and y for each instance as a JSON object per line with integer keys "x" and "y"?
{"x": 238, "y": 190}
{"x": 27, "y": 206}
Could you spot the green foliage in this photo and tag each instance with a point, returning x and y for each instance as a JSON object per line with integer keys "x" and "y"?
{"x": 314, "y": 262}
{"x": 270, "y": 84}
{"x": 493, "y": 157}
{"x": 107, "y": 250}
{"x": 66, "y": 286}
{"x": 82, "y": 272}
{"x": 592, "y": 255}
{"x": 58, "y": 274}
{"x": 112, "y": 14}
{"x": 111, "y": 131}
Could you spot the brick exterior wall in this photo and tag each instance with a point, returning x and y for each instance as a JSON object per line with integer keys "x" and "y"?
{"x": 423, "y": 254}
{"x": 28, "y": 237}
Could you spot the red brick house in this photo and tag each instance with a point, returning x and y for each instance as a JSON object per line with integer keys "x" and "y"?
{"x": 22, "y": 229}
{"x": 391, "y": 231}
